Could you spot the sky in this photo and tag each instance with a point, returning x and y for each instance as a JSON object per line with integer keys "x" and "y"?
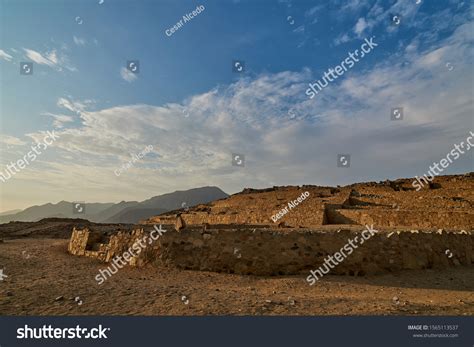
{"x": 193, "y": 109}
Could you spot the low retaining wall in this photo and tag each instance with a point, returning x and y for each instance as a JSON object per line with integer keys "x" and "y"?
{"x": 414, "y": 219}
{"x": 276, "y": 252}
{"x": 305, "y": 216}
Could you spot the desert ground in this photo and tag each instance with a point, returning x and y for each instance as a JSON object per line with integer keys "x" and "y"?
{"x": 43, "y": 279}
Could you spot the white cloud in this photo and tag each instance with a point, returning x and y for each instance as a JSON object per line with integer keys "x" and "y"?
{"x": 314, "y": 10}
{"x": 11, "y": 140}
{"x": 299, "y": 29}
{"x": 406, "y": 10}
{"x": 51, "y": 59}
{"x": 341, "y": 39}
{"x": 38, "y": 58}
{"x": 127, "y": 75}
{"x": 77, "y": 107}
{"x": 360, "y": 26}
{"x": 59, "y": 119}
{"x": 4, "y": 55}
{"x": 79, "y": 41}
{"x": 354, "y": 5}
{"x": 378, "y": 15}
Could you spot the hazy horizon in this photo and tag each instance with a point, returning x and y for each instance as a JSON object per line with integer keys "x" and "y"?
{"x": 139, "y": 200}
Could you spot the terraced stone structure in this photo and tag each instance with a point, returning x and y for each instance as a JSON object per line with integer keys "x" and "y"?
{"x": 422, "y": 229}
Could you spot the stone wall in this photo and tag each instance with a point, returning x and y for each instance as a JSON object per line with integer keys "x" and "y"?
{"x": 314, "y": 217}
{"x": 394, "y": 218}
{"x": 295, "y": 251}
{"x": 93, "y": 244}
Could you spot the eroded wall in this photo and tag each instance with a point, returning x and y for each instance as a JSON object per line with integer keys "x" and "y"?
{"x": 296, "y": 251}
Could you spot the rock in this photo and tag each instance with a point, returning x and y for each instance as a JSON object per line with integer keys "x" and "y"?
{"x": 59, "y": 298}
{"x": 434, "y": 185}
{"x": 355, "y": 193}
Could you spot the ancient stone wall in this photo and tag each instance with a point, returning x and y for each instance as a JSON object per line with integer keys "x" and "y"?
{"x": 266, "y": 252}
{"x": 294, "y": 251}
{"x": 93, "y": 244}
{"x": 393, "y": 218}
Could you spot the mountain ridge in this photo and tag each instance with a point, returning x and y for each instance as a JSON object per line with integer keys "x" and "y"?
{"x": 122, "y": 212}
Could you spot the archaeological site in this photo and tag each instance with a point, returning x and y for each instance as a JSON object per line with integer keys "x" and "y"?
{"x": 427, "y": 229}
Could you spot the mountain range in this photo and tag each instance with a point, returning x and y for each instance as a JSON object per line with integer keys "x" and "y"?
{"x": 122, "y": 212}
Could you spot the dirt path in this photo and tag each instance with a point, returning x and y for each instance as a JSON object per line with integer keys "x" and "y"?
{"x": 40, "y": 270}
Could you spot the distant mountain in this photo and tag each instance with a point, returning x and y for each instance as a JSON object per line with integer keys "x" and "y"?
{"x": 167, "y": 202}
{"x": 134, "y": 215}
{"x": 6, "y": 213}
{"x": 122, "y": 212}
{"x": 62, "y": 209}
{"x": 113, "y": 210}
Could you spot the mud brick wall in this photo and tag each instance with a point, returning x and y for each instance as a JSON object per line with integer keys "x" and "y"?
{"x": 415, "y": 219}
{"x": 267, "y": 252}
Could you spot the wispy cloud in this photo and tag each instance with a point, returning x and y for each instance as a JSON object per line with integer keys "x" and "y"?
{"x": 314, "y": 12}
{"x": 38, "y": 58}
{"x": 4, "y": 55}
{"x": 11, "y": 140}
{"x": 378, "y": 15}
{"x": 355, "y": 5}
{"x": 343, "y": 38}
{"x": 360, "y": 26}
{"x": 127, "y": 75}
{"x": 79, "y": 41}
{"x": 52, "y": 59}
{"x": 78, "y": 107}
{"x": 59, "y": 119}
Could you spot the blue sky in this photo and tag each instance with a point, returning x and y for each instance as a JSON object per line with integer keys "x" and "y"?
{"x": 104, "y": 114}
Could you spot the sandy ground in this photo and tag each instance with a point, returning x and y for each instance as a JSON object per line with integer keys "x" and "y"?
{"x": 43, "y": 279}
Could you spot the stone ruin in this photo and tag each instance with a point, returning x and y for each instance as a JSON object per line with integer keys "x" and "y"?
{"x": 431, "y": 228}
